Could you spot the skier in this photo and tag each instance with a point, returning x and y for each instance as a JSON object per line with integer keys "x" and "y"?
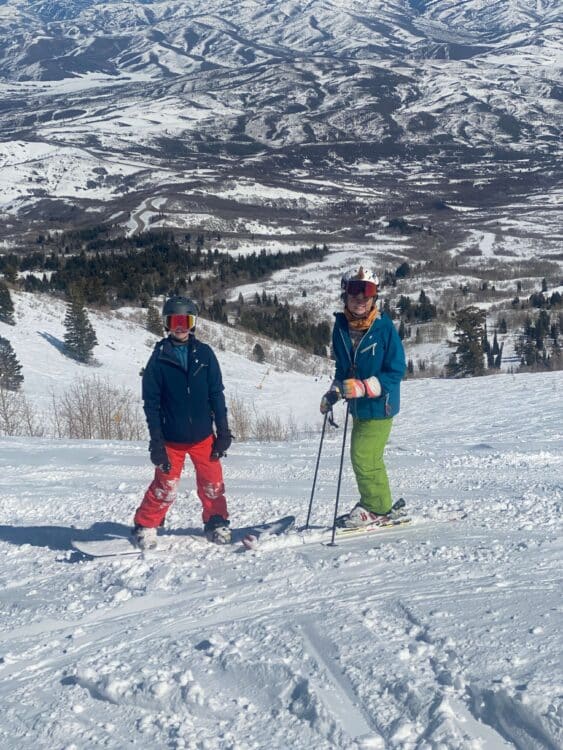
{"x": 370, "y": 364}
{"x": 182, "y": 396}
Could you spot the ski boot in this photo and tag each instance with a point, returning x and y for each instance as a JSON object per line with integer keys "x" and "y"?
{"x": 217, "y": 530}
{"x": 359, "y": 516}
{"x": 143, "y": 537}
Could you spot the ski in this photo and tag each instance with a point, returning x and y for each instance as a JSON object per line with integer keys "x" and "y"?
{"x": 342, "y": 532}
{"x": 322, "y": 535}
{"x": 294, "y": 537}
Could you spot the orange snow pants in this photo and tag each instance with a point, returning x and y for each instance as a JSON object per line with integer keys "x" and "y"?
{"x": 161, "y": 492}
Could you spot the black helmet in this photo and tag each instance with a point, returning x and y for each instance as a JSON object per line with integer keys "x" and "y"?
{"x": 181, "y": 306}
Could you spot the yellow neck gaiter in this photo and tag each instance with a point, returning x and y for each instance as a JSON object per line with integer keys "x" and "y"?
{"x": 361, "y": 324}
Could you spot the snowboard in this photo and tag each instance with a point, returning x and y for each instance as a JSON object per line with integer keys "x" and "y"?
{"x": 122, "y": 546}
{"x": 275, "y": 528}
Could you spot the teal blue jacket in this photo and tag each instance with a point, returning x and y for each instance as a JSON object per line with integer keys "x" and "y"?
{"x": 380, "y": 353}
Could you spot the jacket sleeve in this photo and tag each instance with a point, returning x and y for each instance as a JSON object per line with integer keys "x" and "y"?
{"x": 151, "y": 397}
{"x": 394, "y": 365}
{"x": 342, "y": 357}
{"x": 216, "y": 394}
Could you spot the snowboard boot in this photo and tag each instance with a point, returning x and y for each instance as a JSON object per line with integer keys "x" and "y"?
{"x": 143, "y": 537}
{"x": 217, "y": 530}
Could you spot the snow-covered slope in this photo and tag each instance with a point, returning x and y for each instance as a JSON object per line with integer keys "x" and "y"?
{"x": 289, "y": 383}
{"x": 445, "y": 634}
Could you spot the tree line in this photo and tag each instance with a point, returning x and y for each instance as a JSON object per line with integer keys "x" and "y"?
{"x": 271, "y": 318}
{"x": 113, "y": 271}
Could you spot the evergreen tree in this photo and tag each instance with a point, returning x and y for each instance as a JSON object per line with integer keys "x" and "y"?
{"x": 80, "y": 337}
{"x": 467, "y": 360}
{"x": 498, "y": 357}
{"x": 154, "y": 321}
{"x": 11, "y": 273}
{"x": 10, "y": 369}
{"x": 403, "y": 271}
{"x": 485, "y": 342}
{"x": 387, "y": 309}
{"x": 258, "y": 353}
{"x": 6, "y": 305}
{"x": 425, "y": 310}
{"x": 532, "y": 343}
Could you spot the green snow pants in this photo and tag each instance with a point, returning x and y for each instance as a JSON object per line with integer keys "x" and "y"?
{"x": 369, "y": 438}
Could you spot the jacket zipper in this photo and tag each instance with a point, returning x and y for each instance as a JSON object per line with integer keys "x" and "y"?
{"x": 353, "y": 360}
{"x": 175, "y": 363}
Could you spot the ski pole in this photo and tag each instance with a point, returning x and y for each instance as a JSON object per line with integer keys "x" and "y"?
{"x": 332, "y": 543}
{"x": 316, "y": 471}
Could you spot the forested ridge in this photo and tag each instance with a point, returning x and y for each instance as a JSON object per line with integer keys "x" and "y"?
{"x": 111, "y": 271}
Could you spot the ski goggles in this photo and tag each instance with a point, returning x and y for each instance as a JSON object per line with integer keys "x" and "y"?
{"x": 180, "y": 323}
{"x": 357, "y": 286}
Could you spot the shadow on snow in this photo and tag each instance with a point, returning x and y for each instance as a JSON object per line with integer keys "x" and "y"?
{"x": 60, "y": 537}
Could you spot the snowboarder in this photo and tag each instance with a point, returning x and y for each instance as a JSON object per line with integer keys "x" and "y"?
{"x": 182, "y": 397}
{"x": 370, "y": 364}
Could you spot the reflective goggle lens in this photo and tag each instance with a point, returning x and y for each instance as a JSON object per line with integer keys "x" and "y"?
{"x": 367, "y": 288}
{"x": 180, "y": 323}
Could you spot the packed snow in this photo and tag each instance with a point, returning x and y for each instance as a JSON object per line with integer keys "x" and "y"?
{"x": 442, "y": 634}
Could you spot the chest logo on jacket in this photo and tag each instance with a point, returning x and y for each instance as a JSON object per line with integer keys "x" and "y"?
{"x": 367, "y": 348}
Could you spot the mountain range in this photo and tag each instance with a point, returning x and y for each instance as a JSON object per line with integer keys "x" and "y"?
{"x": 99, "y": 101}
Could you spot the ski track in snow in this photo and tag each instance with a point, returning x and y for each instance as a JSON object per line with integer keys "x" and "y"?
{"x": 445, "y": 634}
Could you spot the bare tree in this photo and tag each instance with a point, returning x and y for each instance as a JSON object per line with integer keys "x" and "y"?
{"x": 268, "y": 428}
{"x": 93, "y": 408}
{"x": 240, "y": 418}
{"x": 17, "y": 416}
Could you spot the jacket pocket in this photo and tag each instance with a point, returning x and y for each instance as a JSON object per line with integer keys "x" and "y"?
{"x": 367, "y": 348}
{"x": 198, "y": 368}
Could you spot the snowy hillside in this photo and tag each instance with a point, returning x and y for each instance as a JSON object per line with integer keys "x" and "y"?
{"x": 124, "y": 347}
{"x": 443, "y": 635}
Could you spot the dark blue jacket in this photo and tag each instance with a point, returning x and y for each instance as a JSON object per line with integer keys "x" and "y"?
{"x": 380, "y": 353}
{"x": 180, "y": 406}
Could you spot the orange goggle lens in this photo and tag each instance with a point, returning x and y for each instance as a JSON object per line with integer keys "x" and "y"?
{"x": 356, "y": 286}
{"x": 180, "y": 323}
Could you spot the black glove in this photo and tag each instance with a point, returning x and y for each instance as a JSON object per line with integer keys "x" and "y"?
{"x": 330, "y": 398}
{"x": 221, "y": 444}
{"x": 159, "y": 456}
{"x": 328, "y": 401}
